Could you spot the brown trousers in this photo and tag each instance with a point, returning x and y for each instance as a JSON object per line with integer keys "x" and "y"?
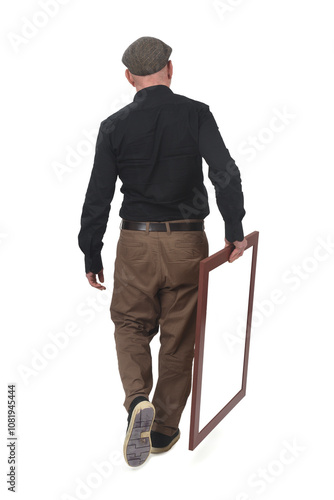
{"x": 155, "y": 285}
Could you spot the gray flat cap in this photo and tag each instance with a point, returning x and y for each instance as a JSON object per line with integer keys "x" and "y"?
{"x": 146, "y": 56}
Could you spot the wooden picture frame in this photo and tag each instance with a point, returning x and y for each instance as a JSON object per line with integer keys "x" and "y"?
{"x": 207, "y": 265}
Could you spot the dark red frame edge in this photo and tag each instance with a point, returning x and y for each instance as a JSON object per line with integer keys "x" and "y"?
{"x": 207, "y": 265}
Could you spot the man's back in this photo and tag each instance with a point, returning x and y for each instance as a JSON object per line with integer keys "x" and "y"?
{"x": 156, "y": 146}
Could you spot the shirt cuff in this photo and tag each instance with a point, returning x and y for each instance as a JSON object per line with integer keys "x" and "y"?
{"x": 234, "y": 232}
{"x": 93, "y": 264}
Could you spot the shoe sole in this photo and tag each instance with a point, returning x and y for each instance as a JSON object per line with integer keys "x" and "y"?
{"x": 168, "y": 447}
{"x": 137, "y": 444}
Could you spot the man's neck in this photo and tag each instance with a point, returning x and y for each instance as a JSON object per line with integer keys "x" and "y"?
{"x": 151, "y": 84}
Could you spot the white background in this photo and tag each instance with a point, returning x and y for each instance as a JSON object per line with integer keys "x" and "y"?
{"x": 251, "y": 61}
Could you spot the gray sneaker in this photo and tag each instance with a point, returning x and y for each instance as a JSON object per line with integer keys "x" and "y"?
{"x": 137, "y": 444}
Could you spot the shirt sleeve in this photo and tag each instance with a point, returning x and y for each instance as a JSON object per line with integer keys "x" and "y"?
{"x": 224, "y": 175}
{"x": 96, "y": 207}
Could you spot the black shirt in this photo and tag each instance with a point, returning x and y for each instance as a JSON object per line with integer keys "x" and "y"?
{"x": 155, "y": 145}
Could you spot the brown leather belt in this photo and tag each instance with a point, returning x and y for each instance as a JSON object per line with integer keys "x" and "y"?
{"x": 161, "y": 226}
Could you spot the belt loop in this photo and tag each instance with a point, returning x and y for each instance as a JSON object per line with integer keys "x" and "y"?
{"x": 168, "y": 228}
{"x": 147, "y": 228}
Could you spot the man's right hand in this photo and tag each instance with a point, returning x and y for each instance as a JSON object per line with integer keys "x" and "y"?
{"x": 239, "y": 249}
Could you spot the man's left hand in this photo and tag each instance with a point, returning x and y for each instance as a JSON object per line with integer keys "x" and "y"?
{"x": 92, "y": 279}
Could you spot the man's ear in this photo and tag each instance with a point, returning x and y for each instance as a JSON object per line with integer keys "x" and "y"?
{"x": 170, "y": 68}
{"x": 129, "y": 77}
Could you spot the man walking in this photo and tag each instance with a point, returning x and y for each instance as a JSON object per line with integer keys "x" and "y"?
{"x": 155, "y": 145}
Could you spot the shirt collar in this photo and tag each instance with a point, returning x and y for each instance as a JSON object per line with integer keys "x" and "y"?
{"x": 152, "y": 91}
